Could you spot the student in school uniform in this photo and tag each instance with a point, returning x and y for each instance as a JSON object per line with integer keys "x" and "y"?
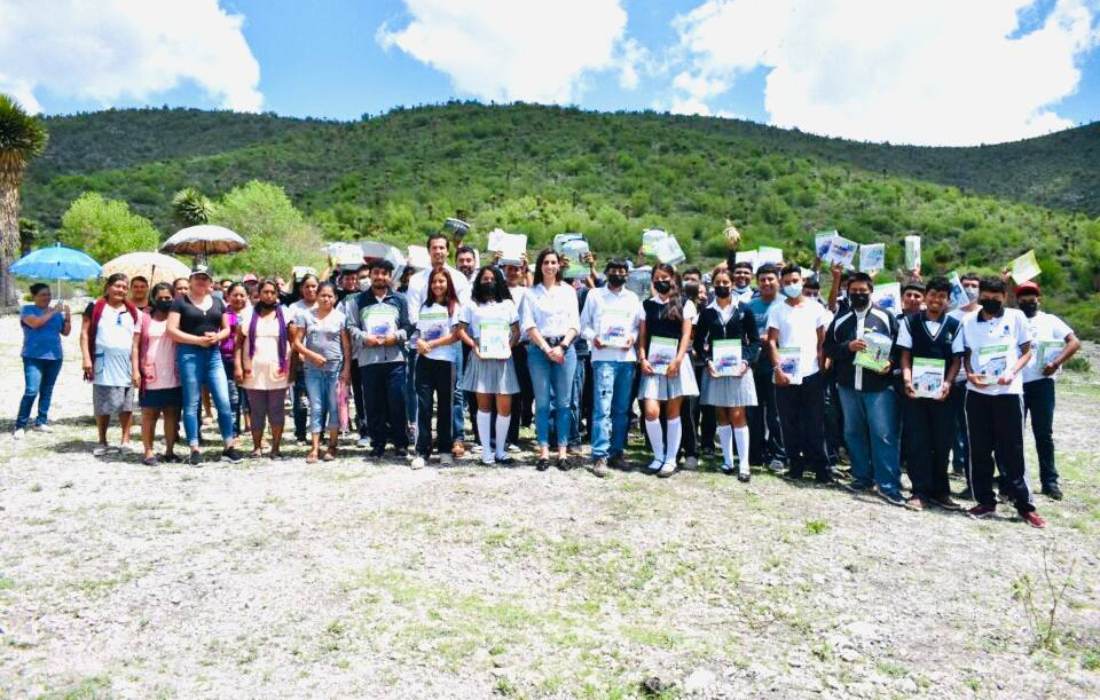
{"x": 435, "y": 368}
{"x": 997, "y": 342}
{"x": 729, "y": 394}
{"x": 765, "y": 436}
{"x": 796, "y": 334}
{"x": 929, "y": 421}
{"x": 960, "y": 447}
{"x": 663, "y": 340}
{"x": 489, "y": 326}
{"x": 1055, "y": 343}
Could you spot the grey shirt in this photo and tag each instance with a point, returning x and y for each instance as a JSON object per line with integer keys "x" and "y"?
{"x": 322, "y": 336}
{"x": 358, "y": 311}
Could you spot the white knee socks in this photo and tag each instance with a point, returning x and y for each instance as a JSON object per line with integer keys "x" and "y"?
{"x": 502, "y": 433}
{"x": 742, "y": 437}
{"x": 484, "y": 422}
{"x": 656, "y": 441}
{"x": 674, "y": 429}
{"x": 725, "y": 437}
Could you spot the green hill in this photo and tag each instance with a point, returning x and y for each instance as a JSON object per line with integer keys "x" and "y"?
{"x": 544, "y": 170}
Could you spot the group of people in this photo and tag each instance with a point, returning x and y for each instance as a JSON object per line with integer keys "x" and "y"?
{"x": 753, "y": 357}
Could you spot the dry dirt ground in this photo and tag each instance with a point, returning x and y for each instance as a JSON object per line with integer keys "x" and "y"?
{"x": 357, "y": 579}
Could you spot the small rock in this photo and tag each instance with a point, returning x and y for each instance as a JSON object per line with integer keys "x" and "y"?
{"x": 906, "y": 685}
{"x": 698, "y": 681}
{"x": 849, "y": 655}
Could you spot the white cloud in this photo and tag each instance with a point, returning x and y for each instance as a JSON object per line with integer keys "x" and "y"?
{"x": 112, "y": 50}
{"x": 526, "y": 50}
{"x": 935, "y": 72}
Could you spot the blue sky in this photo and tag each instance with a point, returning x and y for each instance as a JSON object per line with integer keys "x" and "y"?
{"x": 946, "y": 73}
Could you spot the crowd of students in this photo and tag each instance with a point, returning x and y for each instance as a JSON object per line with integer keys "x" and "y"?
{"x": 591, "y": 356}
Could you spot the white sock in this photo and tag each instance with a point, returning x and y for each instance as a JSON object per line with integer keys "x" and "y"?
{"x": 742, "y": 437}
{"x": 656, "y": 439}
{"x": 484, "y": 423}
{"x": 725, "y": 436}
{"x": 674, "y": 429}
{"x": 503, "y": 422}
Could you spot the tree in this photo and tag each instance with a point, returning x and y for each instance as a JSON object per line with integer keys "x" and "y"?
{"x": 190, "y": 207}
{"x": 29, "y": 232}
{"x": 278, "y": 235}
{"x": 22, "y": 138}
{"x": 106, "y": 228}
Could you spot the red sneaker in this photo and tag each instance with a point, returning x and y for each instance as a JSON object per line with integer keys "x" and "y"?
{"x": 982, "y": 512}
{"x": 1033, "y": 519}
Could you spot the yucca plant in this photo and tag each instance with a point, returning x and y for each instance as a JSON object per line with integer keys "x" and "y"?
{"x": 191, "y": 208}
{"x": 22, "y": 138}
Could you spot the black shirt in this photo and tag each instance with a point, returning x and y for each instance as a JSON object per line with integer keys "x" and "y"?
{"x": 194, "y": 320}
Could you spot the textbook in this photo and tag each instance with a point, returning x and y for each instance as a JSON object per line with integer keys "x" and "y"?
{"x": 615, "y": 328}
{"x": 823, "y": 241}
{"x": 668, "y": 251}
{"x": 790, "y": 363}
{"x": 888, "y": 297}
{"x": 576, "y": 250}
{"x": 912, "y": 252}
{"x": 562, "y": 238}
{"x": 727, "y": 357}
{"x": 1025, "y": 267}
{"x": 766, "y": 254}
{"x": 876, "y": 356}
{"x": 380, "y": 320}
{"x": 662, "y": 351}
{"x": 992, "y": 362}
{"x": 841, "y": 251}
{"x": 1047, "y": 351}
{"x": 493, "y": 340}
{"x": 958, "y": 293}
{"x": 638, "y": 281}
{"x": 650, "y": 238}
{"x": 872, "y": 257}
{"x": 928, "y": 376}
{"x": 434, "y": 324}
{"x": 748, "y": 256}
{"x": 511, "y": 246}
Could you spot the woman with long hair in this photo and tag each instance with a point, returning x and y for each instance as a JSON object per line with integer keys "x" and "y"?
{"x": 551, "y": 321}
{"x": 663, "y": 340}
{"x": 43, "y": 325}
{"x": 726, "y": 337}
{"x": 263, "y": 364}
{"x": 305, "y": 301}
{"x": 489, "y": 326}
{"x": 320, "y": 338}
{"x": 161, "y": 394}
{"x": 435, "y": 367}
{"x": 236, "y": 301}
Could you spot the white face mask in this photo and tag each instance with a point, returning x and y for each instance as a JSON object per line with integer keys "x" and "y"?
{"x": 364, "y": 285}
{"x": 792, "y": 291}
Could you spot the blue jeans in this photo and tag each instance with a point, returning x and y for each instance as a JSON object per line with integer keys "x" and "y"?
{"x": 299, "y": 401}
{"x": 39, "y": 377}
{"x": 545, "y": 373}
{"x": 458, "y": 411}
{"x": 611, "y": 402}
{"x": 576, "y": 401}
{"x": 199, "y": 366}
{"x": 871, "y": 429}
{"x": 321, "y": 388}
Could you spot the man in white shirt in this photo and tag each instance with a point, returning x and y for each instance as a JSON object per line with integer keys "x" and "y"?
{"x": 997, "y": 345}
{"x": 796, "y": 334}
{"x": 1055, "y": 343}
{"x": 610, "y": 322}
{"x": 438, "y": 247}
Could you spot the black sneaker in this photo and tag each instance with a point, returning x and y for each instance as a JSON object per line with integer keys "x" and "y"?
{"x": 619, "y": 462}
{"x": 378, "y": 453}
{"x": 543, "y": 464}
{"x": 195, "y": 460}
{"x": 506, "y": 460}
{"x": 563, "y": 464}
{"x": 400, "y": 452}
{"x": 170, "y": 458}
{"x": 232, "y": 455}
{"x": 1053, "y": 492}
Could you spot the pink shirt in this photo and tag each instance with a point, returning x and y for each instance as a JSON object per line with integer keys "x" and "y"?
{"x": 159, "y": 368}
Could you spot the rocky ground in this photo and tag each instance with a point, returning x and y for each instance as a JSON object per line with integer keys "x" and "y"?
{"x": 355, "y": 578}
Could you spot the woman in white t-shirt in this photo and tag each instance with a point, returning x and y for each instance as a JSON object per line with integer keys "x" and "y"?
{"x": 489, "y": 326}
{"x": 321, "y": 340}
{"x": 435, "y": 367}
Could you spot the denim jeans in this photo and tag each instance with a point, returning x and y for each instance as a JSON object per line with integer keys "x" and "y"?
{"x": 549, "y": 377}
{"x": 198, "y": 367}
{"x": 300, "y": 404}
{"x": 39, "y": 377}
{"x": 235, "y": 394}
{"x": 384, "y": 395}
{"x": 871, "y": 431}
{"x": 324, "y": 413}
{"x": 577, "y": 404}
{"x": 434, "y": 379}
{"x": 458, "y": 412}
{"x": 611, "y": 382}
{"x": 1039, "y": 402}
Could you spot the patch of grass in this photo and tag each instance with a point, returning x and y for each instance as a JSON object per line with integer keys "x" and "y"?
{"x": 892, "y": 669}
{"x": 1090, "y": 661}
{"x": 6, "y": 584}
{"x": 91, "y": 688}
{"x": 660, "y": 638}
{"x": 816, "y": 527}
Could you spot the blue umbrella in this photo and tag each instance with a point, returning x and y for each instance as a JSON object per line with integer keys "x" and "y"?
{"x": 56, "y": 263}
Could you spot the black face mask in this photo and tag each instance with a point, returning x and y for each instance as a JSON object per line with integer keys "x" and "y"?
{"x": 615, "y": 281}
{"x": 859, "y": 300}
{"x": 485, "y": 290}
{"x": 663, "y": 287}
{"x": 1030, "y": 308}
{"x": 722, "y": 292}
{"x": 991, "y": 306}
{"x": 264, "y": 306}
{"x": 164, "y": 305}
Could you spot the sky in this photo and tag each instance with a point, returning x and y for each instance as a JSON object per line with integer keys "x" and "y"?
{"x": 934, "y": 72}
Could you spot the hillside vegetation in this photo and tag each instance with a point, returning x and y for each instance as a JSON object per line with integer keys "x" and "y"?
{"x": 544, "y": 170}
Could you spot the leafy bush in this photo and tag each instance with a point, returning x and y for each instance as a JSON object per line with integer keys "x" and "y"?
{"x": 106, "y": 228}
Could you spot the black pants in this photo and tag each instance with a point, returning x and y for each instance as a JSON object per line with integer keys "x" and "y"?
{"x": 995, "y": 426}
{"x": 357, "y": 396}
{"x": 834, "y": 421}
{"x": 928, "y": 433}
{"x": 434, "y": 378}
{"x": 801, "y": 409}
{"x": 1039, "y": 402}
{"x": 384, "y": 396}
{"x": 299, "y": 400}
{"x": 765, "y": 434}
{"x": 689, "y": 422}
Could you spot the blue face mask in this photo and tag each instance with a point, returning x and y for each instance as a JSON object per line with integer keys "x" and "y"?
{"x": 792, "y": 291}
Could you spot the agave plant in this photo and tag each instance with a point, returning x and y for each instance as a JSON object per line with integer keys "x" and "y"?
{"x": 191, "y": 207}
{"x": 22, "y": 138}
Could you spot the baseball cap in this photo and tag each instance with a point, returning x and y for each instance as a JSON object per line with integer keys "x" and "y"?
{"x": 249, "y": 278}
{"x": 201, "y": 269}
{"x": 1027, "y": 288}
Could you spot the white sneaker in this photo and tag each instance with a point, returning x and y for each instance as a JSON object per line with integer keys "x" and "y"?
{"x": 42, "y": 428}
{"x": 490, "y": 461}
{"x": 514, "y": 448}
{"x": 446, "y": 460}
{"x": 18, "y": 434}
{"x": 124, "y": 448}
{"x": 363, "y": 442}
{"x": 417, "y": 463}
{"x": 100, "y": 450}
